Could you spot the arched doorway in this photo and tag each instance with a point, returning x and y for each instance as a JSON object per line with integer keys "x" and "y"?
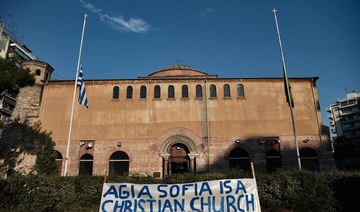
{"x": 273, "y": 161}
{"x": 119, "y": 163}
{"x": 179, "y": 161}
{"x": 309, "y": 159}
{"x": 86, "y": 164}
{"x": 239, "y": 159}
{"x": 178, "y": 154}
{"x": 58, "y": 162}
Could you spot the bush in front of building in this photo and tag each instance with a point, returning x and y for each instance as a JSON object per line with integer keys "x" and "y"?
{"x": 294, "y": 190}
{"x": 345, "y": 186}
{"x": 45, "y": 158}
{"x": 50, "y": 193}
{"x": 283, "y": 190}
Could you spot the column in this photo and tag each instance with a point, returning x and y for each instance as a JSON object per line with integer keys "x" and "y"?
{"x": 192, "y": 157}
{"x": 166, "y": 162}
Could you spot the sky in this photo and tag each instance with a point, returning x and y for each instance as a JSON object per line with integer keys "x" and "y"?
{"x": 233, "y": 38}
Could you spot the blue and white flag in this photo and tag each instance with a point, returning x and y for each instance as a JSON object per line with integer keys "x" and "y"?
{"x": 82, "y": 93}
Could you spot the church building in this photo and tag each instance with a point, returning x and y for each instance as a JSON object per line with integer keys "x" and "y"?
{"x": 180, "y": 119}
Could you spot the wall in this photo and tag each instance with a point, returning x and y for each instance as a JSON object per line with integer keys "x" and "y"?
{"x": 212, "y": 124}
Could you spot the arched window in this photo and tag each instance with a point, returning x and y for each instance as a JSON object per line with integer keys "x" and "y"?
{"x": 273, "y": 161}
{"x": 119, "y": 163}
{"x": 240, "y": 91}
{"x": 129, "y": 92}
{"x": 116, "y": 92}
{"x": 226, "y": 90}
{"x": 58, "y": 162}
{"x": 37, "y": 72}
{"x": 239, "y": 159}
{"x": 86, "y": 165}
{"x": 212, "y": 90}
{"x": 143, "y": 92}
{"x": 309, "y": 159}
{"x": 179, "y": 161}
{"x": 199, "y": 93}
{"x": 171, "y": 92}
{"x": 184, "y": 91}
{"x": 157, "y": 92}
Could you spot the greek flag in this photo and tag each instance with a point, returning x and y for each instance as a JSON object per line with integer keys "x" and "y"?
{"x": 82, "y": 93}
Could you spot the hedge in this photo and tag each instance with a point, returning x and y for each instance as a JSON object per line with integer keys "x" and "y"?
{"x": 279, "y": 191}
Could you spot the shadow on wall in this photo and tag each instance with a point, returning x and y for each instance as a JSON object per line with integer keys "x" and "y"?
{"x": 18, "y": 145}
{"x": 268, "y": 155}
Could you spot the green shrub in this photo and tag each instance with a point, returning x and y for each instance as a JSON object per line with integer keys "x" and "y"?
{"x": 346, "y": 189}
{"x": 279, "y": 191}
{"x": 45, "y": 158}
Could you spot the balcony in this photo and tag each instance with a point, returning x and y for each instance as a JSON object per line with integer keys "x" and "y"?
{"x": 332, "y": 123}
{"x": 9, "y": 100}
{"x": 348, "y": 111}
{"x": 349, "y": 103}
{"x": 330, "y": 116}
{"x": 350, "y": 128}
{"x": 6, "y": 111}
{"x": 350, "y": 120}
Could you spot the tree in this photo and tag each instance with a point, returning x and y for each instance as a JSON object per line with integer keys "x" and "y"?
{"x": 45, "y": 161}
{"x": 13, "y": 76}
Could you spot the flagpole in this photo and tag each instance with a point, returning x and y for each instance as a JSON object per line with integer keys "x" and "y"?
{"x": 287, "y": 89}
{"x": 73, "y": 102}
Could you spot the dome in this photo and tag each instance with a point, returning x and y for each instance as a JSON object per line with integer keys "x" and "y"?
{"x": 178, "y": 71}
{"x": 178, "y": 67}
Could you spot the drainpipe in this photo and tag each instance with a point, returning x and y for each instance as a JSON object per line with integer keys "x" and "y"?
{"x": 317, "y": 121}
{"x": 149, "y": 125}
{"x": 207, "y": 124}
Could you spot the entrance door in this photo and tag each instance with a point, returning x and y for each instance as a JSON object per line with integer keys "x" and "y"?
{"x": 179, "y": 160}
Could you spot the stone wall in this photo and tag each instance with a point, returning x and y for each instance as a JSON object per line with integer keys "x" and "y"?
{"x": 28, "y": 103}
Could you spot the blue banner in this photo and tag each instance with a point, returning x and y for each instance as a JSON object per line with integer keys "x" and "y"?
{"x": 212, "y": 196}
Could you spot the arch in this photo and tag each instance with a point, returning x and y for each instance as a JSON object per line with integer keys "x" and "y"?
{"x": 185, "y": 162}
{"x": 171, "y": 92}
{"x": 38, "y": 72}
{"x": 58, "y": 162}
{"x": 273, "y": 160}
{"x": 199, "y": 93}
{"x": 143, "y": 92}
{"x": 227, "y": 90}
{"x": 119, "y": 163}
{"x": 239, "y": 159}
{"x": 309, "y": 159}
{"x": 116, "y": 92}
{"x": 181, "y": 139}
{"x": 179, "y": 160}
{"x": 213, "y": 91}
{"x": 240, "y": 91}
{"x": 129, "y": 92}
{"x": 184, "y": 91}
{"x": 86, "y": 164}
{"x": 157, "y": 92}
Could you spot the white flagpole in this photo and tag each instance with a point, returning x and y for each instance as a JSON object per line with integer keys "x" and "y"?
{"x": 73, "y": 102}
{"x": 288, "y": 90}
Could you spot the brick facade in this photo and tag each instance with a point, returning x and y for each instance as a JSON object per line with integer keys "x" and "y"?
{"x": 161, "y": 136}
{"x": 149, "y": 129}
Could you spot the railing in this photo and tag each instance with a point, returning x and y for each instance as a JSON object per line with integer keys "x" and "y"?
{"x": 6, "y": 111}
{"x": 10, "y": 100}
